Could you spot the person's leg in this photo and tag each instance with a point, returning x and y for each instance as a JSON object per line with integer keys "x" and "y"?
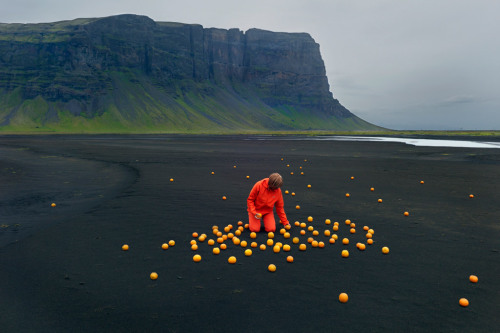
{"x": 269, "y": 222}
{"x": 253, "y": 223}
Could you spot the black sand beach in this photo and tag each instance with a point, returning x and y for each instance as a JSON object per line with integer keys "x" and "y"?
{"x": 63, "y": 270}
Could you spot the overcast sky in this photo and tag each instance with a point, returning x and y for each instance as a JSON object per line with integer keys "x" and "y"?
{"x": 400, "y": 64}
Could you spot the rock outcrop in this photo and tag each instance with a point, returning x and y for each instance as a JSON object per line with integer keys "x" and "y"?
{"x": 129, "y": 72}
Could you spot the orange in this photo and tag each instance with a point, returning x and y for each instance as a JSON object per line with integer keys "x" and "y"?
{"x": 335, "y": 223}
{"x": 202, "y": 238}
{"x": 258, "y": 215}
{"x": 219, "y": 234}
{"x": 297, "y": 207}
{"x": 327, "y": 233}
{"x": 463, "y": 302}
{"x": 286, "y": 235}
{"x": 352, "y": 225}
{"x": 310, "y": 219}
{"x": 332, "y": 240}
{"x": 406, "y": 214}
{"x": 335, "y": 228}
{"x": 171, "y": 243}
{"x": 345, "y": 253}
{"x": 237, "y": 233}
{"x": 353, "y": 231}
{"x": 193, "y": 242}
{"x": 248, "y": 177}
{"x": 310, "y": 240}
{"x": 246, "y": 226}
{"x": 321, "y": 244}
{"x": 231, "y": 260}
{"x": 291, "y": 173}
{"x": 213, "y": 173}
{"x": 236, "y": 241}
{"x": 334, "y": 236}
{"x": 352, "y": 177}
{"x": 211, "y": 242}
{"x": 194, "y": 247}
{"x": 276, "y": 249}
{"x": 216, "y": 250}
{"x": 248, "y": 252}
{"x": 224, "y": 197}
{"x": 227, "y": 229}
{"x": 289, "y": 259}
{"x": 234, "y": 166}
{"x": 196, "y": 258}
{"x": 345, "y": 241}
{"x": 421, "y": 182}
{"x": 270, "y": 235}
{"x": 253, "y": 244}
{"x": 279, "y": 244}
{"x": 270, "y": 242}
{"x": 288, "y": 227}
{"x": 153, "y": 276}
{"x": 262, "y": 247}
{"x": 286, "y": 192}
{"x": 53, "y": 204}
{"x": 295, "y": 240}
{"x": 368, "y": 235}
{"x": 195, "y": 234}
{"x": 125, "y": 247}
{"x": 286, "y": 248}
{"x": 302, "y": 173}
{"x": 282, "y": 231}
{"x": 293, "y": 193}
{"x": 473, "y": 279}
{"x": 308, "y": 186}
{"x": 302, "y": 247}
{"x": 361, "y": 247}
{"x": 223, "y": 246}
{"x": 303, "y": 225}
{"x": 243, "y": 243}
{"x": 371, "y": 231}
{"x": 314, "y": 243}
{"x": 343, "y": 298}
{"x": 327, "y": 221}
{"x": 302, "y": 232}
{"x": 240, "y": 223}
{"x": 471, "y": 196}
{"x": 253, "y": 235}
{"x": 366, "y": 228}
{"x": 310, "y": 228}
{"x": 171, "y": 179}
{"x": 220, "y": 240}
{"x": 164, "y": 246}
{"x": 372, "y": 189}
{"x": 347, "y": 195}
{"x": 379, "y": 200}
{"x": 347, "y": 222}
{"x": 385, "y": 250}
{"x": 271, "y": 268}
{"x": 370, "y": 241}
{"x": 315, "y": 233}
{"x": 224, "y": 237}
{"x": 230, "y": 235}
{"x": 297, "y": 223}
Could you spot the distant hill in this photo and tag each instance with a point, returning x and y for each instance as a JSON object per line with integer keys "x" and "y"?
{"x": 130, "y": 74}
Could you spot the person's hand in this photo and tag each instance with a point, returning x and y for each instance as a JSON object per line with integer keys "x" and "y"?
{"x": 258, "y": 216}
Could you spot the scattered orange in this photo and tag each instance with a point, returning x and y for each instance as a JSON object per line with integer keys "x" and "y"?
{"x": 193, "y": 242}
{"x": 171, "y": 243}
{"x": 369, "y": 241}
{"x": 471, "y": 196}
{"x": 164, "y": 246}
{"x": 368, "y": 235}
{"x": 276, "y": 249}
{"x": 270, "y": 242}
{"x": 270, "y": 235}
{"x": 347, "y": 222}
{"x": 286, "y": 248}
{"x": 231, "y": 260}
{"x": 286, "y": 235}
{"x": 224, "y": 197}
{"x": 372, "y": 189}
{"x": 248, "y": 252}
{"x": 335, "y": 228}
{"x": 473, "y": 279}
{"x": 286, "y": 192}
{"x": 310, "y": 219}
{"x": 243, "y": 244}
{"x": 353, "y": 231}
{"x": 288, "y": 227}
{"x": 302, "y": 232}
{"x": 293, "y": 193}
{"x": 302, "y": 247}
{"x": 153, "y": 276}
{"x": 321, "y": 244}
{"x": 194, "y": 247}
{"x": 216, "y": 250}
{"x": 258, "y": 215}
{"x": 289, "y": 259}
{"x": 361, "y": 247}
{"x": 171, "y": 179}
{"x": 315, "y": 233}
{"x": 343, "y": 298}
{"x": 310, "y": 228}
{"x": 379, "y": 200}
{"x": 334, "y": 236}
{"x": 347, "y": 195}
{"x": 371, "y": 231}
{"x": 282, "y": 231}
{"x": 314, "y": 243}
{"x": 327, "y": 233}
{"x": 53, "y": 204}
{"x": 297, "y": 207}
{"x": 332, "y": 240}
{"x": 240, "y": 223}
{"x": 195, "y": 235}
{"x": 421, "y": 182}
{"x": 253, "y": 235}
{"x": 345, "y": 241}
{"x": 385, "y": 250}
{"x": 125, "y": 247}
{"x": 327, "y": 221}
{"x": 345, "y": 253}
{"x": 352, "y": 177}
{"x": 253, "y": 244}
{"x": 295, "y": 240}
{"x": 237, "y": 232}
{"x": 271, "y": 268}
{"x": 262, "y": 247}
{"x": 223, "y": 246}
{"x": 463, "y": 302}
{"x": 308, "y": 186}
{"x": 303, "y": 225}
{"x": 220, "y": 240}
{"x": 211, "y": 242}
{"x": 196, "y": 258}
{"x": 236, "y": 241}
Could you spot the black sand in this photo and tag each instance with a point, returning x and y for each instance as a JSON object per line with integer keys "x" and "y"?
{"x": 63, "y": 270}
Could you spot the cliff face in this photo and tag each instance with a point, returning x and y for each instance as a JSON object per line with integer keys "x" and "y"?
{"x": 128, "y": 71}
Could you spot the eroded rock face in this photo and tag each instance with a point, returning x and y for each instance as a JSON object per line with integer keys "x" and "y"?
{"x": 76, "y": 63}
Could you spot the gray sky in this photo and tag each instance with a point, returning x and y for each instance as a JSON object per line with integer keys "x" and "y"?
{"x": 401, "y": 64}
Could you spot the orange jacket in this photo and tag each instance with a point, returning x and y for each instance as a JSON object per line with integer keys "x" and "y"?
{"x": 262, "y": 200}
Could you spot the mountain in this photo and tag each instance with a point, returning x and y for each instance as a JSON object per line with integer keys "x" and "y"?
{"x": 128, "y": 73}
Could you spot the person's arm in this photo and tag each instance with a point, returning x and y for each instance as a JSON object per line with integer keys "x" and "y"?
{"x": 280, "y": 210}
{"x": 251, "y": 199}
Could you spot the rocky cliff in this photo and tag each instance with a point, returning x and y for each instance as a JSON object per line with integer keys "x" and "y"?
{"x": 128, "y": 73}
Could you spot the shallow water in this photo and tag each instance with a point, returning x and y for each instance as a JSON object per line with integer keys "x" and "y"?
{"x": 409, "y": 141}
